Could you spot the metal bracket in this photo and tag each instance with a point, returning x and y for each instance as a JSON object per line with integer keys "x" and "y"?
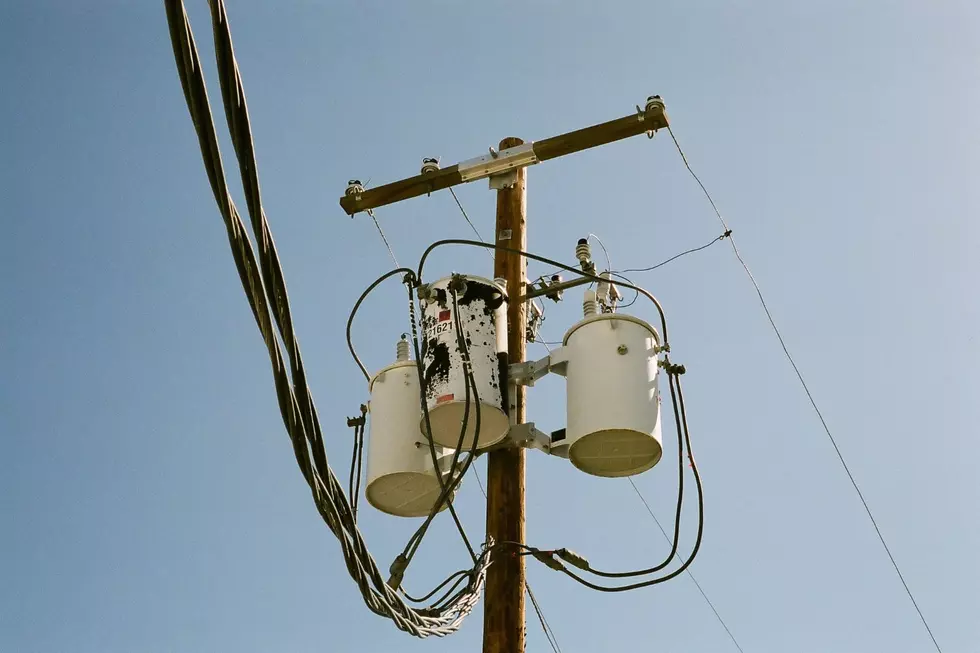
{"x": 527, "y": 436}
{"x": 529, "y": 372}
{"x": 533, "y": 292}
{"x": 503, "y": 164}
{"x": 503, "y": 180}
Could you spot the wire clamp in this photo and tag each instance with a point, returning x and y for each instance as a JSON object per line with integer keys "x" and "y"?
{"x": 358, "y": 421}
{"x": 397, "y": 571}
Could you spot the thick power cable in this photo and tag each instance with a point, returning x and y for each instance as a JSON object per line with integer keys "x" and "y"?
{"x": 408, "y": 274}
{"x": 296, "y": 405}
{"x": 447, "y": 489}
{"x": 423, "y": 599}
{"x": 806, "y": 389}
{"x": 690, "y": 573}
{"x": 677, "y": 516}
{"x": 409, "y": 280}
{"x": 673, "y": 373}
{"x": 678, "y": 398}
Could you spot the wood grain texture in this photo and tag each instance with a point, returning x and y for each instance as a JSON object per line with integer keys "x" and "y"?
{"x": 503, "y": 613}
{"x": 549, "y": 148}
{"x": 405, "y": 189}
{"x": 607, "y": 132}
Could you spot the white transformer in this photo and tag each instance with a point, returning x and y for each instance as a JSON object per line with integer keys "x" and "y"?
{"x": 482, "y": 310}
{"x": 613, "y": 396}
{"x": 401, "y": 479}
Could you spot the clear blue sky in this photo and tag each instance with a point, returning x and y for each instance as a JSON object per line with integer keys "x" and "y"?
{"x": 149, "y": 500}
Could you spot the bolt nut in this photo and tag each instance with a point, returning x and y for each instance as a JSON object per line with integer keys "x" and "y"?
{"x": 622, "y": 350}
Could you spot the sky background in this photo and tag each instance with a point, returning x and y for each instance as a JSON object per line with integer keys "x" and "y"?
{"x": 149, "y": 500}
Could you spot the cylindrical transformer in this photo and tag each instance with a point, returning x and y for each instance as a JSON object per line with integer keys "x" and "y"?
{"x": 613, "y": 406}
{"x": 483, "y": 315}
{"x": 401, "y": 479}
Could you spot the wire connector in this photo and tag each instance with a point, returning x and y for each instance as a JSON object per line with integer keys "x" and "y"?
{"x": 358, "y": 421}
{"x": 457, "y": 283}
{"x": 548, "y": 559}
{"x": 397, "y": 571}
{"x": 672, "y": 369}
{"x": 573, "y": 559}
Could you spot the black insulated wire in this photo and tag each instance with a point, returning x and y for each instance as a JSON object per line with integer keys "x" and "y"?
{"x": 455, "y": 477}
{"x": 678, "y": 409}
{"x": 445, "y": 488}
{"x": 542, "y": 259}
{"x": 727, "y": 234}
{"x": 677, "y": 516}
{"x": 409, "y": 277}
{"x": 674, "y": 379}
{"x": 264, "y": 286}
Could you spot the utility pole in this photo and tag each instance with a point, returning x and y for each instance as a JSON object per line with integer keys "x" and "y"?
{"x": 503, "y": 614}
{"x": 506, "y": 169}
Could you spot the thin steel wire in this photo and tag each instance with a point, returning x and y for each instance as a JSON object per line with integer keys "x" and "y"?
{"x": 391, "y": 252}
{"x": 549, "y": 632}
{"x": 806, "y": 389}
{"x": 688, "y": 571}
{"x": 468, "y": 221}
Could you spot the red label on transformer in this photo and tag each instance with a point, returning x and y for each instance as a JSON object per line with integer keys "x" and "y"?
{"x": 444, "y": 315}
{"x": 444, "y": 398}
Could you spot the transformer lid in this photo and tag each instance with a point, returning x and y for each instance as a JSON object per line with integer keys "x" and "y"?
{"x": 605, "y": 317}
{"x": 615, "y": 452}
{"x": 394, "y": 366}
{"x": 405, "y": 494}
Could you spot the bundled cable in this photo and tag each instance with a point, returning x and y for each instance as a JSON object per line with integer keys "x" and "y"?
{"x": 263, "y": 282}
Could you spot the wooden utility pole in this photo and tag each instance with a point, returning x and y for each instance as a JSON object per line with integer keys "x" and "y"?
{"x": 503, "y": 614}
{"x": 507, "y": 170}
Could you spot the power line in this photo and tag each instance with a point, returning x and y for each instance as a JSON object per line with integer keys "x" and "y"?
{"x": 468, "y": 221}
{"x": 806, "y": 389}
{"x": 467, "y": 218}
{"x": 380, "y": 231}
{"x": 727, "y": 234}
{"x": 689, "y": 572}
{"x": 545, "y": 626}
{"x": 605, "y": 251}
{"x": 262, "y": 280}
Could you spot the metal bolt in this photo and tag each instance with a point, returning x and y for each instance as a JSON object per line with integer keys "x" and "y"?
{"x": 622, "y": 349}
